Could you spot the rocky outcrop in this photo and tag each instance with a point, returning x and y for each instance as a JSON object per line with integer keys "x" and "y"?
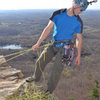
{"x": 10, "y": 78}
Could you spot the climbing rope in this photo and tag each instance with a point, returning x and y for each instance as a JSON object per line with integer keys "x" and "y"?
{"x": 22, "y": 52}
{"x": 15, "y": 55}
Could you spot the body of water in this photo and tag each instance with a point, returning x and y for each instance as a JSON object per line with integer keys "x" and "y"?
{"x": 12, "y": 46}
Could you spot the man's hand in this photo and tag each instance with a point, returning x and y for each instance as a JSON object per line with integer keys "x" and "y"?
{"x": 78, "y": 60}
{"x": 35, "y": 47}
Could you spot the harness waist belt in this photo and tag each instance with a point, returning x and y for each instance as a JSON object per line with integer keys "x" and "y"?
{"x": 64, "y": 41}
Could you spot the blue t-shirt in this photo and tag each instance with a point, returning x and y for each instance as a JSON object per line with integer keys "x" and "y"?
{"x": 65, "y": 26}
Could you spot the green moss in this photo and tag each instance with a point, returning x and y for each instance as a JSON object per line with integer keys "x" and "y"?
{"x": 71, "y": 98}
{"x": 67, "y": 73}
{"x": 31, "y": 93}
{"x": 89, "y": 76}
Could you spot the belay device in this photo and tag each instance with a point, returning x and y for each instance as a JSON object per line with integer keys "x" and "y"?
{"x": 83, "y": 4}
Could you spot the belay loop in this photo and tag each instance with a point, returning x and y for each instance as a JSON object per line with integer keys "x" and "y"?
{"x": 68, "y": 56}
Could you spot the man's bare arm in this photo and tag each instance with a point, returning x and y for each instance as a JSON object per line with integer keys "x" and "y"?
{"x": 43, "y": 36}
{"x": 45, "y": 32}
{"x": 79, "y": 45}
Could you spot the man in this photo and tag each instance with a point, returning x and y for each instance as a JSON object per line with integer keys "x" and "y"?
{"x": 66, "y": 23}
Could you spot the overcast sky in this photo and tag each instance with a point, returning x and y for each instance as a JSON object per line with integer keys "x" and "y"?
{"x": 40, "y": 4}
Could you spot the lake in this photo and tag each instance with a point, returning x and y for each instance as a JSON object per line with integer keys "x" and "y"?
{"x": 12, "y": 46}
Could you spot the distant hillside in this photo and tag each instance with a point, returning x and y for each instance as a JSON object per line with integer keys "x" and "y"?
{"x": 81, "y": 83}
{"x": 20, "y": 25}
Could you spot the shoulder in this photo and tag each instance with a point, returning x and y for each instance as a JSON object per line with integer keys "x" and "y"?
{"x": 79, "y": 19}
{"x": 57, "y": 12}
{"x": 81, "y": 22}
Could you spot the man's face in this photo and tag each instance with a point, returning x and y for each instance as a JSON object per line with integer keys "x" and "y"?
{"x": 76, "y": 9}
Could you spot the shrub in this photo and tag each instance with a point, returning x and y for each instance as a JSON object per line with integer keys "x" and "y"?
{"x": 94, "y": 92}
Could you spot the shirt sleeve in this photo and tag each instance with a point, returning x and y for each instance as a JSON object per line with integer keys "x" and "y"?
{"x": 53, "y": 17}
{"x": 79, "y": 29}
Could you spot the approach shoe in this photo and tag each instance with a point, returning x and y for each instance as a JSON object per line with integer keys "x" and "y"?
{"x": 30, "y": 79}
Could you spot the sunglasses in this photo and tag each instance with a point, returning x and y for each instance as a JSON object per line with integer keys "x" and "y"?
{"x": 77, "y": 8}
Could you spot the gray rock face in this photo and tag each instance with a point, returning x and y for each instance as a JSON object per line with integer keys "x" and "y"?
{"x": 10, "y": 78}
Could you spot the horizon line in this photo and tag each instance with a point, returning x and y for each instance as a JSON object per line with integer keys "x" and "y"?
{"x": 38, "y": 9}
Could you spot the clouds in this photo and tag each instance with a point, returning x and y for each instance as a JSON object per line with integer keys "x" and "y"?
{"x": 34, "y": 4}
{"x": 39, "y": 4}
{"x": 94, "y": 5}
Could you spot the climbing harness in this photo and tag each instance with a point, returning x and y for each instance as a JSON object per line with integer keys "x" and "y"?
{"x": 68, "y": 51}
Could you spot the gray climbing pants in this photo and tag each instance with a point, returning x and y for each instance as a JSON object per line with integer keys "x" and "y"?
{"x": 56, "y": 70}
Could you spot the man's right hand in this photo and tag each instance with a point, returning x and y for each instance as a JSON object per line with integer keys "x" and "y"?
{"x": 35, "y": 47}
